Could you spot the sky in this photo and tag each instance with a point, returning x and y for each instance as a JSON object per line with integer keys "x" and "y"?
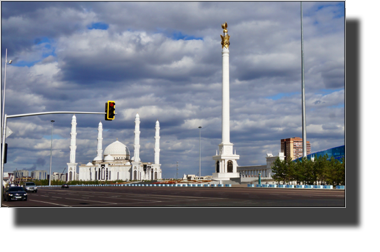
{"x": 162, "y": 60}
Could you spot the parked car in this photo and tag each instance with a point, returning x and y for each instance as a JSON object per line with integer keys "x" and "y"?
{"x": 15, "y": 193}
{"x": 30, "y": 187}
{"x": 65, "y": 186}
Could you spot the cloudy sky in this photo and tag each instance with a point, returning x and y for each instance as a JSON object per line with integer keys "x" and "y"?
{"x": 163, "y": 61}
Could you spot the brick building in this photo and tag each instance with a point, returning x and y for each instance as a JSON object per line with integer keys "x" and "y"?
{"x": 292, "y": 147}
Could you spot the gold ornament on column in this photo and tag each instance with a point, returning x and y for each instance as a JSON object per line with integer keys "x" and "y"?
{"x": 226, "y": 38}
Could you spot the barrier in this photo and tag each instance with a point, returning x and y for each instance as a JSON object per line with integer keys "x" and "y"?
{"x": 300, "y": 186}
{"x": 340, "y": 187}
{"x": 327, "y": 187}
{"x": 200, "y": 185}
{"x": 317, "y": 186}
{"x": 264, "y": 185}
{"x": 281, "y": 186}
{"x": 289, "y": 186}
{"x": 213, "y": 185}
{"x": 273, "y": 186}
{"x": 220, "y": 185}
{"x": 228, "y": 185}
{"x": 207, "y": 185}
{"x": 250, "y": 185}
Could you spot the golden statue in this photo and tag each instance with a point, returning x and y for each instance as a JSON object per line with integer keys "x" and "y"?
{"x": 225, "y": 39}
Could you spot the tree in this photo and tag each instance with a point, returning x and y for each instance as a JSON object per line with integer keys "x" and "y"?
{"x": 278, "y": 170}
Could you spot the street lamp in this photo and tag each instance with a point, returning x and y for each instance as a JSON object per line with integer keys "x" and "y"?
{"x": 2, "y": 124}
{"x": 200, "y": 127}
{"x": 51, "y": 150}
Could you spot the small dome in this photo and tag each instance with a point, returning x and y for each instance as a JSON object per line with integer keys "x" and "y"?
{"x": 98, "y": 158}
{"x": 109, "y": 158}
{"x": 117, "y": 149}
{"x": 89, "y": 164}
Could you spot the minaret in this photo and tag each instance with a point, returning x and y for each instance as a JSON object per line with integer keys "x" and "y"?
{"x": 99, "y": 155}
{"x": 72, "y": 166}
{"x": 226, "y": 165}
{"x": 137, "y": 139}
{"x": 157, "y": 166}
{"x": 157, "y": 144}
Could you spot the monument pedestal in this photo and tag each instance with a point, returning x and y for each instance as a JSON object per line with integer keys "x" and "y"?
{"x": 226, "y": 163}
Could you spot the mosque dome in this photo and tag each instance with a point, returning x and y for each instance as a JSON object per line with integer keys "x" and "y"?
{"x": 109, "y": 158}
{"x": 117, "y": 149}
{"x": 89, "y": 164}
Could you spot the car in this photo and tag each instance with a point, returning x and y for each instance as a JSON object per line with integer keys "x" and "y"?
{"x": 30, "y": 187}
{"x": 15, "y": 193}
{"x": 65, "y": 186}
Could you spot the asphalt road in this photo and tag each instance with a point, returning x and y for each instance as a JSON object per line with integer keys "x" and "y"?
{"x": 181, "y": 197}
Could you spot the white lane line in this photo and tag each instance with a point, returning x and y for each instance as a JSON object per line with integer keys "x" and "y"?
{"x": 49, "y": 203}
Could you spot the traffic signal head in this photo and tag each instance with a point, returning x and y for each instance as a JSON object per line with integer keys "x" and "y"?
{"x": 110, "y": 110}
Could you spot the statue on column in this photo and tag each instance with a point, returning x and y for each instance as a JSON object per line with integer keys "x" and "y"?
{"x": 226, "y": 38}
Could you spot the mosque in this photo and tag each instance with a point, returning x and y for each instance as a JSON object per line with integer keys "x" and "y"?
{"x": 115, "y": 163}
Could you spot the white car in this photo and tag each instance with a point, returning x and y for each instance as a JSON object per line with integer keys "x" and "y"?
{"x": 30, "y": 187}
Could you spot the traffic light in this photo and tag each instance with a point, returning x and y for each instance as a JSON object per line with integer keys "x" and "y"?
{"x": 110, "y": 110}
{"x": 5, "y": 152}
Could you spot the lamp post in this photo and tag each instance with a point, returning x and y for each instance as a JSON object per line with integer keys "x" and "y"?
{"x": 2, "y": 104}
{"x": 51, "y": 150}
{"x": 200, "y": 127}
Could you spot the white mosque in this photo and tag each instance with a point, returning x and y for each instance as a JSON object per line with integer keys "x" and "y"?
{"x": 115, "y": 163}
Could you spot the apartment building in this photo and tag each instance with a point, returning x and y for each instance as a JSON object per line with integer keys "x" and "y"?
{"x": 292, "y": 147}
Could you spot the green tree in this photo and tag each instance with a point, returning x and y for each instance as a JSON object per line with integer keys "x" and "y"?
{"x": 278, "y": 170}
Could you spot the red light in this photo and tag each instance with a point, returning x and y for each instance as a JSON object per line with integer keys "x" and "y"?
{"x": 112, "y": 104}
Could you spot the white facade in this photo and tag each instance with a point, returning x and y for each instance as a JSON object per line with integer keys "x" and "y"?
{"x": 37, "y": 174}
{"x": 250, "y": 173}
{"x": 115, "y": 163}
{"x": 226, "y": 158}
{"x": 21, "y": 173}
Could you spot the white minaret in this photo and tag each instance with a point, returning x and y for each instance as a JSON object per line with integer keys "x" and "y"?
{"x": 157, "y": 144}
{"x": 99, "y": 153}
{"x": 72, "y": 166}
{"x": 226, "y": 165}
{"x": 157, "y": 172}
{"x": 137, "y": 139}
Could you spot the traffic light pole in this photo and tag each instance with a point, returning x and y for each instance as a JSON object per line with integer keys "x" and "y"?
{"x": 32, "y": 114}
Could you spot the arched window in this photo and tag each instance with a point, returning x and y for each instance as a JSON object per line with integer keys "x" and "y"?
{"x": 217, "y": 166}
{"x": 96, "y": 173}
{"x": 151, "y": 178}
{"x": 155, "y": 175}
{"x": 106, "y": 173}
{"x": 229, "y": 166}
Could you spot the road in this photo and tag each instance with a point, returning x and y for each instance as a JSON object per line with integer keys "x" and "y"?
{"x": 180, "y": 197}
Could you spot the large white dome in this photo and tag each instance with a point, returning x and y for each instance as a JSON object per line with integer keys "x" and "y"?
{"x": 117, "y": 149}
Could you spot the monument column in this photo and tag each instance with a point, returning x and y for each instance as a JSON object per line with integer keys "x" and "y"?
{"x": 72, "y": 166}
{"x": 225, "y": 153}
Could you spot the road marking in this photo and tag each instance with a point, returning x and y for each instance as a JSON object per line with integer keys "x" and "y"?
{"x": 50, "y": 203}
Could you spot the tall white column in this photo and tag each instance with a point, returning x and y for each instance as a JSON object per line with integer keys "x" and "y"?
{"x": 157, "y": 144}
{"x": 225, "y": 95}
{"x": 225, "y": 155}
{"x": 73, "y": 134}
{"x": 72, "y": 166}
{"x": 100, "y": 142}
{"x": 137, "y": 139}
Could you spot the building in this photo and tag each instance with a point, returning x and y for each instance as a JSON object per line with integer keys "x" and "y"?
{"x": 251, "y": 173}
{"x": 292, "y": 147}
{"x": 38, "y": 174}
{"x": 336, "y": 152}
{"x": 21, "y": 173}
{"x": 116, "y": 163}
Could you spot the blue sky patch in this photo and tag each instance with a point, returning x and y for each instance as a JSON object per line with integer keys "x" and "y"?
{"x": 98, "y": 26}
{"x": 180, "y": 36}
{"x": 281, "y": 95}
{"x": 54, "y": 137}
